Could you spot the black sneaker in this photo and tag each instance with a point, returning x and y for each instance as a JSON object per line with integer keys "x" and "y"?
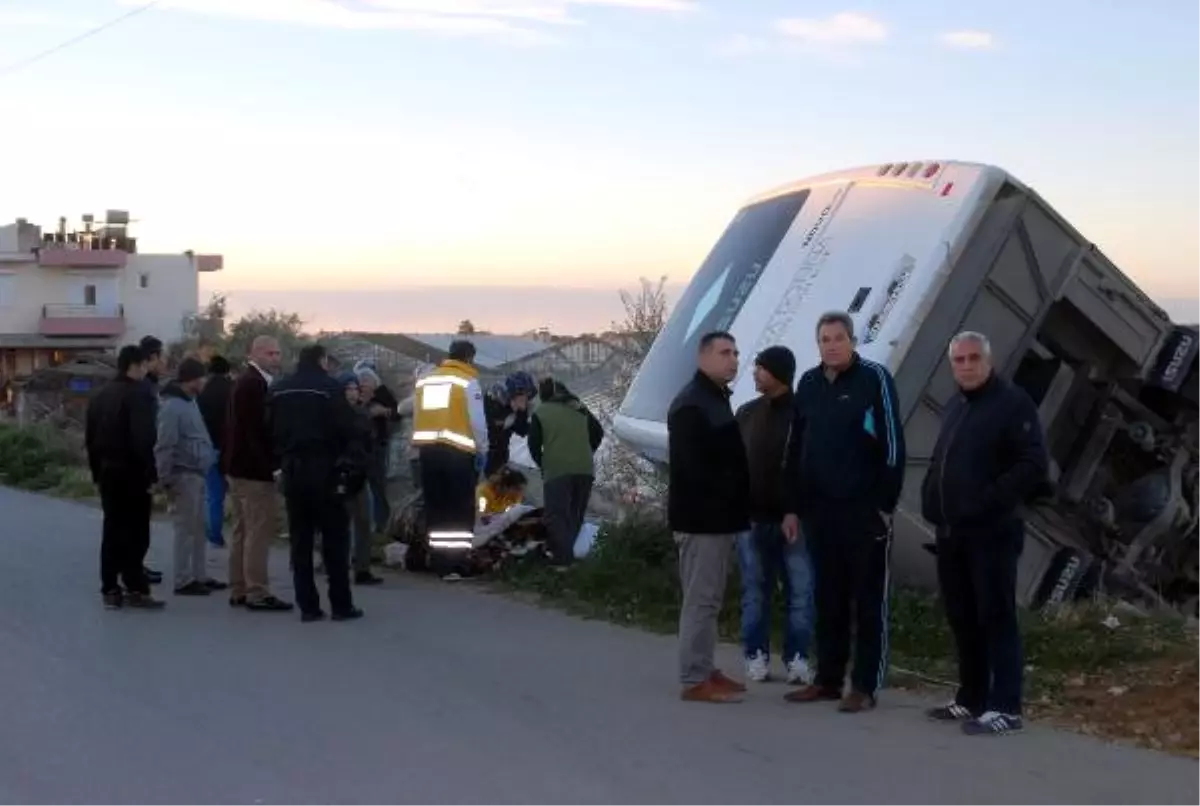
{"x": 993, "y": 723}
{"x": 348, "y": 615}
{"x": 193, "y": 588}
{"x": 950, "y": 712}
{"x": 143, "y": 601}
{"x": 316, "y": 615}
{"x": 269, "y": 604}
{"x": 215, "y": 585}
{"x": 366, "y": 578}
{"x": 113, "y": 600}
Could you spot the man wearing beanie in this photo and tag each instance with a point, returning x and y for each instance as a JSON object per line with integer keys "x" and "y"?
{"x": 183, "y": 455}
{"x": 766, "y": 558}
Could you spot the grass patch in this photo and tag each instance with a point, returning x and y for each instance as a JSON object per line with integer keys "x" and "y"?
{"x": 1071, "y": 654}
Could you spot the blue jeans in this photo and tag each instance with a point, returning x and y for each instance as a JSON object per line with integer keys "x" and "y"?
{"x": 215, "y": 488}
{"x": 766, "y": 558}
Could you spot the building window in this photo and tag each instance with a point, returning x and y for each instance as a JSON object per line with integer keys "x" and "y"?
{"x": 143, "y": 280}
{"x": 89, "y": 295}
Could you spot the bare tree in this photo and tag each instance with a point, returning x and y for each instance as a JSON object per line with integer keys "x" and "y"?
{"x": 645, "y": 314}
{"x": 629, "y": 482}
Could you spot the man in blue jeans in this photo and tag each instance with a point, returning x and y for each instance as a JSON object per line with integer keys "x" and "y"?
{"x": 764, "y": 555}
{"x": 214, "y": 407}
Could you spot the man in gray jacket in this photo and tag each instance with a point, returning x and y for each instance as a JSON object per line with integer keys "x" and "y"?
{"x": 183, "y": 454}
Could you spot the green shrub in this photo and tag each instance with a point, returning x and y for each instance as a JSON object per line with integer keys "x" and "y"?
{"x": 36, "y": 457}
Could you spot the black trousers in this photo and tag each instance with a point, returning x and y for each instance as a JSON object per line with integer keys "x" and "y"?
{"x": 850, "y": 545}
{"x": 566, "y": 500}
{"x": 448, "y": 482}
{"x": 126, "y": 535}
{"x": 977, "y": 575}
{"x": 313, "y": 506}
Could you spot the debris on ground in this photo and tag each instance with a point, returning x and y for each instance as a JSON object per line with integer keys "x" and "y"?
{"x": 1153, "y": 704}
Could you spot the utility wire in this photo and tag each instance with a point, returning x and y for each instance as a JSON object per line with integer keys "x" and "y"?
{"x": 21, "y": 64}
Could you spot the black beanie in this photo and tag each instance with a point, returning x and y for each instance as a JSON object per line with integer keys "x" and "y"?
{"x": 780, "y": 362}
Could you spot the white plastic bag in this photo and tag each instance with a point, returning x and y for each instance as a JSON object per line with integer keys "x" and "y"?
{"x": 394, "y": 554}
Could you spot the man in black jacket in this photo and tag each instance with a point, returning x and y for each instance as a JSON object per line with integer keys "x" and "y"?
{"x": 120, "y": 432}
{"x": 152, "y": 353}
{"x": 214, "y": 407}
{"x": 766, "y": 558}
{"x": 990, "y": 457}
{"x": 845, "y": 470}
{"x": 322, "y": 460}
{"x": 708, "y": 506}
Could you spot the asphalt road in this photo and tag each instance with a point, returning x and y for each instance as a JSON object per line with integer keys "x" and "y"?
{"x": 446, "y": 694}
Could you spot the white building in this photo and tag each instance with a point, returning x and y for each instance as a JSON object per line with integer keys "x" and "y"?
{"x": 66, "y": 292}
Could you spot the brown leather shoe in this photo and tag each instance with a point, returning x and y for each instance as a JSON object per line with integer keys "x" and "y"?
{"x": 812, "y": 693}
{"x": 708, "y": 691}
{"x": 856, "y": 701}
{"x": 723, "y": 680}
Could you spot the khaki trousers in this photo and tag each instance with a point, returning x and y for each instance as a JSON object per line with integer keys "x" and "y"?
{"x": 255, "y": 525}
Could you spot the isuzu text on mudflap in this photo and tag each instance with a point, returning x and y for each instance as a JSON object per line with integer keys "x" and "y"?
{"x": 917, "y": 251}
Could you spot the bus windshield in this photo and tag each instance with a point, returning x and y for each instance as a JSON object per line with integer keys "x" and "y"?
{"x": 711, "y": 302}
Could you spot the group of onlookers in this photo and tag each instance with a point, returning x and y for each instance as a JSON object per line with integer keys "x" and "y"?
{"x": 203, "y": 437}
{"x": 805, "y": 481}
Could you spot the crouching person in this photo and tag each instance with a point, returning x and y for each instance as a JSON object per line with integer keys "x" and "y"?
{"x": 989, "y": 458}
{"x": 183, "y": 455}
{"x": 766, "y": 557}
{"x": 707, "y": 508}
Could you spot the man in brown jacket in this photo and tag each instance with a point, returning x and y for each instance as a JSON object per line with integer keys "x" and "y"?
{"x": 249, "y": 462}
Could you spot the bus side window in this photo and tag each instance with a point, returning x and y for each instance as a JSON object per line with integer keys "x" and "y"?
{"x": 859, "y": 300}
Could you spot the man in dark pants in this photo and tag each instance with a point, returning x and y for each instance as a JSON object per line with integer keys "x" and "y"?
{"x": 708, "y": 507}
{"x": 989, "y": 458}
{"x": 563, "y": 438}
{"x": 322, "y": 460}
{"x": 119, "y": 434}
{"x": 450, "y": 431}
{"x": 845, "y": 470}
{"x": 152, "y": 352}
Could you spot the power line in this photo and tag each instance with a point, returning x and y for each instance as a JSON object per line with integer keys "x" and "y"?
{"x": 21, "y": 64}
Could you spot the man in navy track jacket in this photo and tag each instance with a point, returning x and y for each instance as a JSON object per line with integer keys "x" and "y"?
{"x": 845, "y": 469}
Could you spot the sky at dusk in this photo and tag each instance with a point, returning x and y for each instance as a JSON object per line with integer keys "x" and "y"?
{"x": 404, "y": 164}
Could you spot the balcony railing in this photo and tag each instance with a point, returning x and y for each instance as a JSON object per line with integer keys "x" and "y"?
{"x": 82, "y": 320}
{"x": 62, "y": 257}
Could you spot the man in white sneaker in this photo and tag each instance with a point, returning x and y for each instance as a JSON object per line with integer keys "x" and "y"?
{"x": 766, "y": 557}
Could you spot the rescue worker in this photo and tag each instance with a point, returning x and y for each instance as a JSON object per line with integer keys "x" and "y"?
{"x": 322, "y": 461}
{"x": 507, "y": 410}
{"x": 501, "y": 491}
{"x": 450, "y": 433}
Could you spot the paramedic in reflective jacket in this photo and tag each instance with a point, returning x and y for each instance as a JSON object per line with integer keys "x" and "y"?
{"x": 450, "y": 433}
{"x": 989, "y": 458}
{"x": 845, "y": 470}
